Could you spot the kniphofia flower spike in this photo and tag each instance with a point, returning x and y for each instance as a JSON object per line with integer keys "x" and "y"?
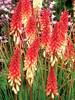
{"x": 20, "y": 18}
{"x": 14, "y": 75}
{"x": 58, "y": 40}
{"x": 51, "y": 87}
{"x": 16, "y": 20}
{"x": 30, "y": 62}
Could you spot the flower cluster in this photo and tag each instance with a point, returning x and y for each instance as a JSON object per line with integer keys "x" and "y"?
{"x": 19, "y": 19}
{"x": 54, "y": 40}
{"x": 58, "y": 40}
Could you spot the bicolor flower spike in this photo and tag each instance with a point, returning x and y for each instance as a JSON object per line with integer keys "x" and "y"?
{"x": 58, "y": 41}
{"x": 51, "y": 87}
{"x": 31, "y": 29}
{"x": 14, "y": 75}
{"x": 16, "y": 24}
{"x": 63, "y": 33}
{"x": 31, "y": 61}
{"x": 21, "y": 14}
{"x": 19, "y": 19}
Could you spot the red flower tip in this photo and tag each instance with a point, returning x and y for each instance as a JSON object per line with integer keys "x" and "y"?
{"x": 21, "y": 13}
{"x": 45, "y": 26}
{"x": 26, "y": 7}
{"x": 45, "y": 18}
{"x": 31, "y": 29}
{"x": 14, "y": 76}
{"x": 64, "y": 23}
{"x": 16, "y": 20}
{"x": 69, "y": 52}
{"x": 51, "y": 87}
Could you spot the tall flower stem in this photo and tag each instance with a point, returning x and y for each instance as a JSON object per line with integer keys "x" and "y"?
{"x": 30, "y": 93}
{"x": 15, "y": 96}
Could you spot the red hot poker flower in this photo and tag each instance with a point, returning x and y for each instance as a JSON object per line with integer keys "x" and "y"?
{"x": 16, "y": 24}
{"x": 58, "y": 40}
{"x": 16, "y": 20}
{"x": 31, "y": 29}
{"x": 51, "y": 87}
{"x": 14, "y": 76}
{"x": 22, "y": 11}
{"x": 31, "y": 61}
{"x": 20, "y": 17}
{"x": 21, "y": 14}
{"x": 45, "y": 26}
{"x": 70, "y": 52}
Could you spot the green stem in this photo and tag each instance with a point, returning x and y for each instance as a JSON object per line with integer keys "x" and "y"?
{"x": 31, "y": 93}
{"x": 16, "y": 97}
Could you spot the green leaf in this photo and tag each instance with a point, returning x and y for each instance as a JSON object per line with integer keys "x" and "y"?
{"x": 73, "y": 75}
